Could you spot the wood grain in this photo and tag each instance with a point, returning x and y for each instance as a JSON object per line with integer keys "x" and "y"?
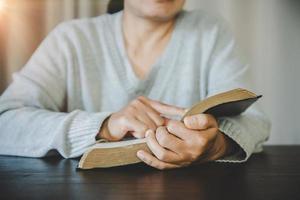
{"x": 274, "y": 174}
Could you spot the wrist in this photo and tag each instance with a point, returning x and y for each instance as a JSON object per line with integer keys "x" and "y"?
{"x": 229, "y": 145}
{"x": 104, "y": 132}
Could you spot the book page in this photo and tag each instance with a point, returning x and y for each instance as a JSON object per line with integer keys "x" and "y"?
{"x": 122, "y": 143}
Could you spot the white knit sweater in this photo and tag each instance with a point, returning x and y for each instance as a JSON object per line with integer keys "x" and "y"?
{"x": 81, "y": 74}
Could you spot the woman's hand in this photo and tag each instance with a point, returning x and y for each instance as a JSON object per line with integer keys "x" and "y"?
{"x": 136, "y": 118}
{"x": 179, "y": 144}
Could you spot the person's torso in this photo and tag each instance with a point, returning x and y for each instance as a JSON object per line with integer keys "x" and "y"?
{"x": 102, "y": 79}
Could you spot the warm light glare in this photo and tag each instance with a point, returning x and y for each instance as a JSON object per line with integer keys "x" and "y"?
{"x": 2, "y": 5}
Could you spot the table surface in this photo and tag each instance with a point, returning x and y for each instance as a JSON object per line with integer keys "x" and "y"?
{"x": 273, "y": 174}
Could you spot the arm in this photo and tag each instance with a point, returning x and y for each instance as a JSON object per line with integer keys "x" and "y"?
{"x": 226, "y": 71}
{"x": 203, "y": 138}
{"x": 33, "y": 118}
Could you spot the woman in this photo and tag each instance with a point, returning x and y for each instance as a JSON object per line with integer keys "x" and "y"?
{"x": 117, "y": 75}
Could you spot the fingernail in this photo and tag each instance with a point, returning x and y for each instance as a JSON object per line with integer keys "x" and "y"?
{"x": 186, "y": 120}
{"x": 140, "y": 154}
{"x": 148, "y": 132}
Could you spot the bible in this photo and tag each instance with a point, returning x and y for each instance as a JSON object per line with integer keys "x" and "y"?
{"x": 111, "y": 154}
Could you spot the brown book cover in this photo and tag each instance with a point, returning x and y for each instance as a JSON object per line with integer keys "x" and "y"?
{"x": 111, "y": 154}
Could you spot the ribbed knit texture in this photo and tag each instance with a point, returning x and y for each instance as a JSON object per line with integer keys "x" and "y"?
{"x": 81, "y": 74}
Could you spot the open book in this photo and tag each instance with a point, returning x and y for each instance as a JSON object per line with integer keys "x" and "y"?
{"x": 110, "y": 154}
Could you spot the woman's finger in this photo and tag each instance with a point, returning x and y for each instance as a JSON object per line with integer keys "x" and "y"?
{"x": 135, "y": 127}
{"x": 160, "y": 152}
{"x": 162, "y": 107}
{"x": 200, "y": 122}
{"x": 150, "y": 114}
{"x": 144, "y": 118}
{"x": 154, "y": 162}
{"x": 178, "y": 129}
{"x": 169, "y": 141}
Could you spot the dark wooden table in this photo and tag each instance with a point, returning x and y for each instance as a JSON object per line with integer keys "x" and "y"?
{"x": 274, "y": 174}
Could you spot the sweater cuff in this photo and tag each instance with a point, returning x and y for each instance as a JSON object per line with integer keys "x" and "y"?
{"x": 82, "y": 132}
{"x": 242, "y": 139}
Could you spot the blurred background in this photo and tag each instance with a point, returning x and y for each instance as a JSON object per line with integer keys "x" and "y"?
{"x": 268, "y": 33}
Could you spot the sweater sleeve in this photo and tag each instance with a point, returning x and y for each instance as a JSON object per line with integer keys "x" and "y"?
{"x": 227, "y": 71}
{"x": 33, "y": 117}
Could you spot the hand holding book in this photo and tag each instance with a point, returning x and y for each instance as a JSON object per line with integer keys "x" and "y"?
{"x": 175, "y": 143}
{"x": 136, "y": 118}
{"x": 179, "y": 143}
